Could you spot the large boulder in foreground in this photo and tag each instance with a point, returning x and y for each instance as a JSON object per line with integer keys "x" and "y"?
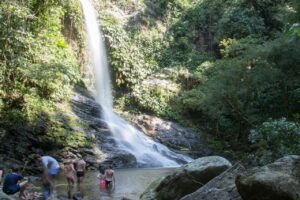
{"x": 277, "y": 181}
{"x": 221, "y": 187}
{"x": 186, "y": 179}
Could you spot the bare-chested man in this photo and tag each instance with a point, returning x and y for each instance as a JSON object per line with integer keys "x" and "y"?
{"x": 80, "y": 172}
{"x": 109, "y": 177}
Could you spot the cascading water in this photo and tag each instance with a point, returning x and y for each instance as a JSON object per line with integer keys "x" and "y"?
{"x": 146, "y": 151}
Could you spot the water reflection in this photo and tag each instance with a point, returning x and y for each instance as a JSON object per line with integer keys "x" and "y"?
{"x": 130, "y": 183}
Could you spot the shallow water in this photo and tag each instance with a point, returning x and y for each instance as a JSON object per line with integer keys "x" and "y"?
{"x": 130, "y": 183}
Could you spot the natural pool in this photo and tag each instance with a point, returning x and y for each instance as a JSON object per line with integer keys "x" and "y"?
{"x": 130, "y": 183}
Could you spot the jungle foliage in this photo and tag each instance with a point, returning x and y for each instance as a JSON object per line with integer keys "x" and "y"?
{"x": 241, "y": 58}
{"x": 39, "y": 45}
{"x": 228, "y": 67}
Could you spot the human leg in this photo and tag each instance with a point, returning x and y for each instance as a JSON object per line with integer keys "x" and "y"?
{"x": 46, "y": 191}
{"x": 80, "y": 176}
{"x": 108, "y": 184}
{"x": 70, "y": 185}
{"x": 79, "y": 180}
{"x": 52, "y": 172}
{"x": 23, "y": 185}
{"x": 46, "y": 186}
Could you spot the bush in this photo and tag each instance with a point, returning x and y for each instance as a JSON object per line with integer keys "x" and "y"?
{"x": 39, "y": 46}
{"x": 129, "y": 64}
{"x": 274, "y": 139}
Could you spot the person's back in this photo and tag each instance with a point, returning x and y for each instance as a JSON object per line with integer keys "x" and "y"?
{"x": 69, "y": 170}
{"x": 10, "y": 183}
{"x": 80, "y": 172}
{"x": 50, "y": 163}
{"x": 81, "y": 164}
{"x": 50, "y": 170}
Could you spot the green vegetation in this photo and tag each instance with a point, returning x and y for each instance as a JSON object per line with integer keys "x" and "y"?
{"x": 228, "y": 67}
{"x": 240, "y": 61}
{"x": 39, "y": 45}
{"x": 275, "y": 138}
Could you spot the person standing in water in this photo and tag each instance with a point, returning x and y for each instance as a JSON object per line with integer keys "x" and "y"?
{"x": 109, "y": 177}
{"x": 50, "y": 170}
{"x": 80, "y": 172}
{"x": 69, "y": 173}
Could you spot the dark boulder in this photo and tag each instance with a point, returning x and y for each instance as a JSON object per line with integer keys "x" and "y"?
{"x": 186, "y": 179}
{"x": 277, "y": 181}
{"x": 221, "y": 187}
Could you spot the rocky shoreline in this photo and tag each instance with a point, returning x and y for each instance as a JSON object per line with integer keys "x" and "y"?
{"x": 205, "y": 179}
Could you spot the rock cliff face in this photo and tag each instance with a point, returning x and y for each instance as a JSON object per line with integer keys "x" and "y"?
{"x": 172, "y": 134}
{"x": 104, "y": 151}
{"x": 82, "y": 115}
{"x": 85, "y": 114}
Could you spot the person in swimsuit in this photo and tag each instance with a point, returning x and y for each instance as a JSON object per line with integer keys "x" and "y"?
{"x": 109, "y": 177}
{"x": 12, "y": 183}
{"x": 80, "y": 172}
{"x": 69, "y": 173}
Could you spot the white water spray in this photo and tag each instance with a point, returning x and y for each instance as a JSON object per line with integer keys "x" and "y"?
{"x": 146, "y": 151}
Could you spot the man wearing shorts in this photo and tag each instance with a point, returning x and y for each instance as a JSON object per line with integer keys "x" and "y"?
{"x": 109, "y": 176}
{"x": 80, "y": 172}
{"x": 50, "y": 170}
{"x": 12, "y": 183}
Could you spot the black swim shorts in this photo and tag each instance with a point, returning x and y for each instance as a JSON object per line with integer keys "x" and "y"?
{"x": 80, "y": 174}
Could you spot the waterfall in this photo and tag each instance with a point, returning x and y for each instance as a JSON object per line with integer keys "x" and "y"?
{"x": 146, "y": 151}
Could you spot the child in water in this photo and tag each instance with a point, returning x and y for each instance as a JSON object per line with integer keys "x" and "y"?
{"x": 100, "y": 176}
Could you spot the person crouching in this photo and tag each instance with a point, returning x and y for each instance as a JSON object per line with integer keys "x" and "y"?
{"x": 14, "y": 182}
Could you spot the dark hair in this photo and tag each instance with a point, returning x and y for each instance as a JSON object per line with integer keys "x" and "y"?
{"x": 110, "y": 166}
{"x": 15, "y": 168}
{"x": 38, "y": 156}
